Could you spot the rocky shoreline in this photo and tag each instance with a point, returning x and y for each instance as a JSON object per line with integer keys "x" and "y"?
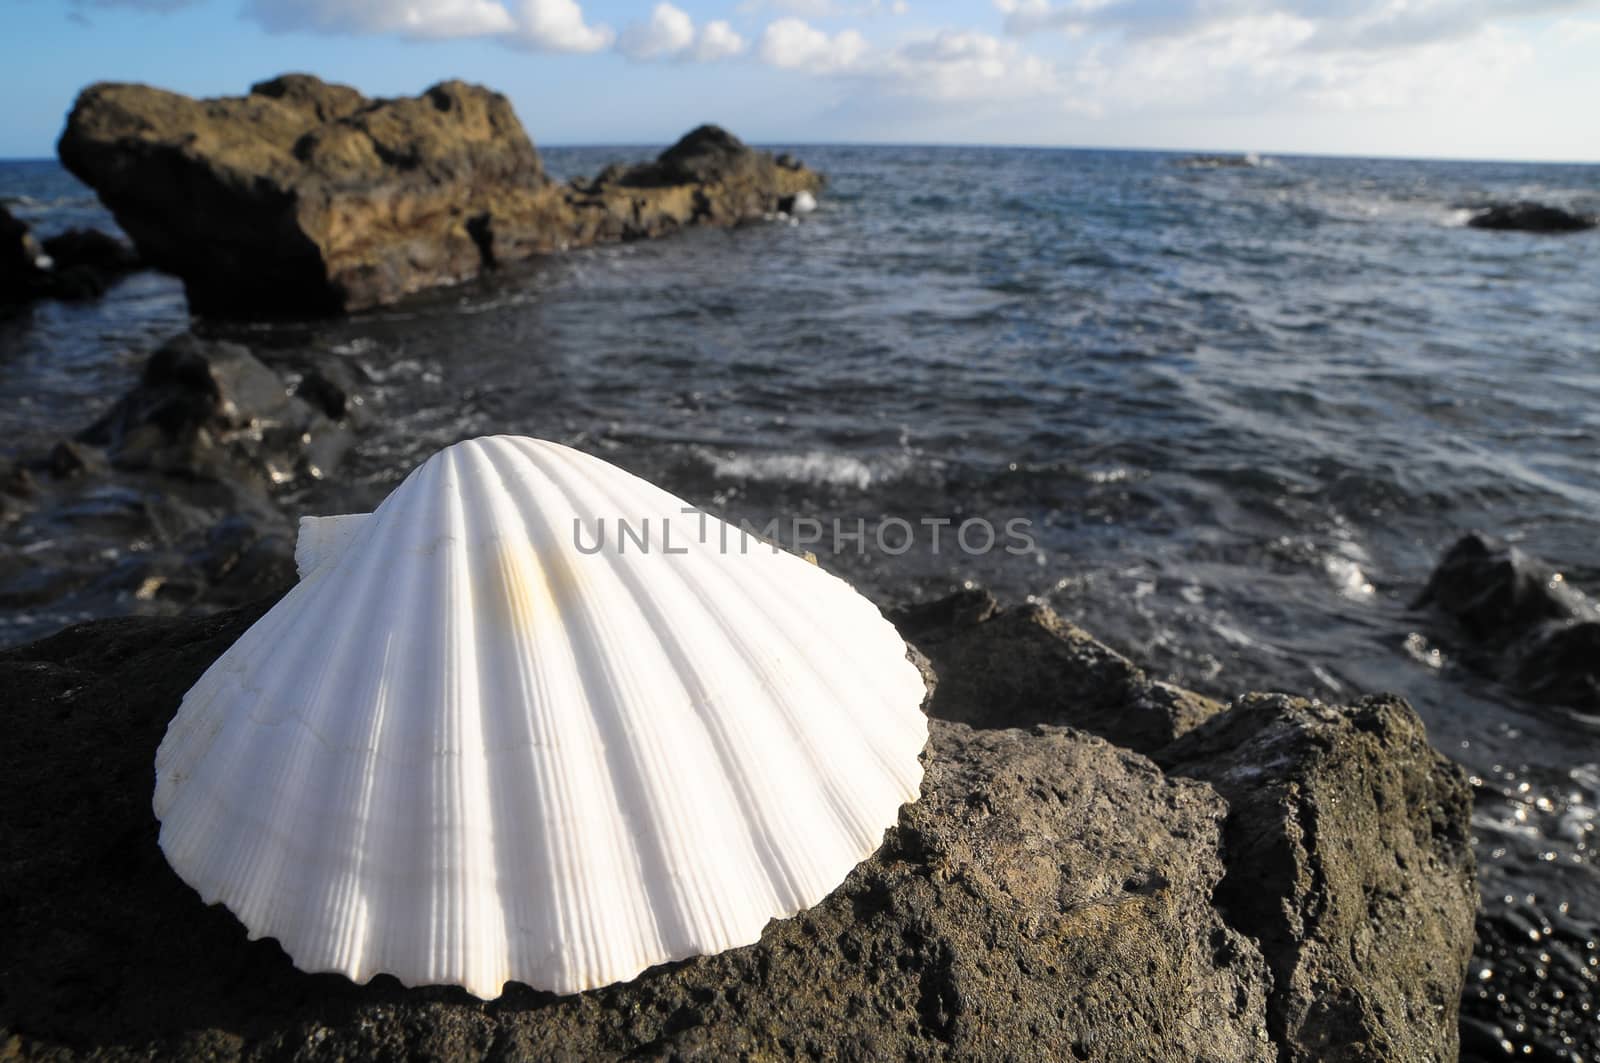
{"x": 1103, "y": 865}
{"x": 1286, "y": 880}
{"x": 305, "y": 198}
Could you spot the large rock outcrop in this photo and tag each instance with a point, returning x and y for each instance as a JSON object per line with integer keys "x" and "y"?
{"x": 1051, "y": 896}
{"x": 306, "y": 198}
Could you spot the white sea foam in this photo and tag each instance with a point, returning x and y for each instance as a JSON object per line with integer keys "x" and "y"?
{"x": 810, "y": 467}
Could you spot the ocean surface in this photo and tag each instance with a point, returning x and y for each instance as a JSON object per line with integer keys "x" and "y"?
{"x": 1241, "y": 410}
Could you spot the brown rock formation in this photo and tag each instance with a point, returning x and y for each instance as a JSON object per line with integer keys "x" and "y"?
{"x": 306, "y": 198}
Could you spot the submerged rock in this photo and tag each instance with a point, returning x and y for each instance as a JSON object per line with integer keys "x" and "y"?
{"x": 210, "y": 410}
{"x": 90, "y": 249}
{"x": 171, "y": 501}
{"x": 1533, "y": 629}
{"x": 1050, "y": 895}
{"x": 307, "y": 198}
{"x": 1532, "y": 218}
{"x": 77, "y": 264}
{"x": 20, "y": 255}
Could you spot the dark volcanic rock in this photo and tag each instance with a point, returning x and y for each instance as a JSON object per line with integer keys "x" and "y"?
{"x": 307, "y": 198}
{"x": 78, "y": 264}
{"x": 175, "y": 484}
{"x": 1026, "y": 665}
{"x": 211, "y": 410}
{"x": 1350, "y": 862}
{"x": 90, "y": 249}
{"x": 1049, "y": 897}
{"x": 1532, "y": 218}
{"x": 1536, "y": 631}
{"x": 20, "y": 272}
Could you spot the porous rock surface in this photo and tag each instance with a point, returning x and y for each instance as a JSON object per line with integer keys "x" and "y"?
{"x": 1350, "y": 861}
{"x": 1051, "y": 896}
{"x": 306, "y": 198}
{"x": 1026, "y": 665}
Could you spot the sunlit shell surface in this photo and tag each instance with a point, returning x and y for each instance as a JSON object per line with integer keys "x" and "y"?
{"x": 468, "y": 747}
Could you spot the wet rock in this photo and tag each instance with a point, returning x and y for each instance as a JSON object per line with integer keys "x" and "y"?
{"x": 15, "y": 480}
{"x": 1026, "y": 665}
{"x": 90, "y": 249}
{"x": 211, "y": 410}
{"x": 70, "y": 458}
{"x": 1350, "y": 862}
{"x": 320, "y": 391}
{"x": 1531, "y": 628}
{"x": 306, "y": 198}
{"x": 79, "y": 264}
{"x": 1560, "y": 664}
{"x": 990, "y": 907}
{"x": 19, "y": 251}
{"x": 1496, "y": 591}
{"x": 21, "y": 272}
{"x": 1532, "y": 218}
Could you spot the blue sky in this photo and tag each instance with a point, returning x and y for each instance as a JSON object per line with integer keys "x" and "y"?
{"x": 1507, "y": 79}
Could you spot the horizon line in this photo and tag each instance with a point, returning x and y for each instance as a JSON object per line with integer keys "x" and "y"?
{"x": 1192, "y": 151}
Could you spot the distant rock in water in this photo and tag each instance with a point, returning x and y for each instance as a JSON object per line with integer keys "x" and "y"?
{"x": 1532, "y": 218}
{"x": 305, "y": 198}
{"x": 1537, "y": 632}
{"x": 1220, "y": 162}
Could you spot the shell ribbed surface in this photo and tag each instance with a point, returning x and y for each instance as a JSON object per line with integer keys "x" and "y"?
{"x": 465, "y": 749}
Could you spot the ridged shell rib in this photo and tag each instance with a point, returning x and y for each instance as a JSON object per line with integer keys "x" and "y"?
{"x": 462, "y": 750}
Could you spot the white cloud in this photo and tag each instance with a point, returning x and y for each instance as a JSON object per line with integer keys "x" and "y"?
{"x": 965, "y": 65}
{"x": 429, "y": 19}
{"x": 825, "y": 9}
{"x": 792, "y": 44}
{"x": 1271, "y": 63}
{"x": 670, "y": 30}
{"x": 537, "y": 25}
{"x": 670, "y": 34}
{"x": 717, "y": 40}
{"x": 557, "y": 26}
{"x": 950, "y": 66}
{"x": 1368, "y": 23}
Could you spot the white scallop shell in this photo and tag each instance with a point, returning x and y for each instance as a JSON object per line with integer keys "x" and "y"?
{"x": 465, "y": 750}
